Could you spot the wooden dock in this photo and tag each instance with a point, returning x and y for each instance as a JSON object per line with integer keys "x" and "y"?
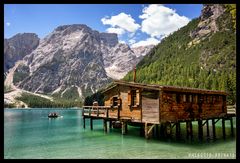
{"x": 148, "y": 129}
{"x": 159, "y": 109}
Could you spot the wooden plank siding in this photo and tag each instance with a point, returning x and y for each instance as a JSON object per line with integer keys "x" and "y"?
{"x": 181, "y": 106}
{"x": 160, "y": 104}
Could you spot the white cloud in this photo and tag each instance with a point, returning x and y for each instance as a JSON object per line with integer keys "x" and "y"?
{"x": 148, "y": 41}
{"x": 131, "y": 41}
{"x": 123, "y": 21}
{"x": 122, "y": 42}
{"x": 118, "y": 31}
{"x": 8, "y": 24}
{"x": 159, "y": 21}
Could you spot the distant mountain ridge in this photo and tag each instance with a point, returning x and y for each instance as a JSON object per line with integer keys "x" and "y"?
{"x": 74, "y": 61}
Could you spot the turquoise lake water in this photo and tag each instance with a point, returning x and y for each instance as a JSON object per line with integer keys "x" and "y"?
{"x": 29, "y": 133}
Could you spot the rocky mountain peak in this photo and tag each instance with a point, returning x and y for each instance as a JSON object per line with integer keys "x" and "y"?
{"x": 74, "y": 59}
{"x": 17, "y": 47}
{"x": 109, "y": 38}
{"x": 208, "y": 22}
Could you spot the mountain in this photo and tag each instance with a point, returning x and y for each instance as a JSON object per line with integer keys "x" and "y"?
{"x": 18, "y": 47}
{"x": 201, "y": 54}
{"x": 121, "y": 59}
{"x": 73, "y": 61}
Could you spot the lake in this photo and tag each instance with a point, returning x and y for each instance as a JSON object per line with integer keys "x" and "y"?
{"x": 29, "y": 133}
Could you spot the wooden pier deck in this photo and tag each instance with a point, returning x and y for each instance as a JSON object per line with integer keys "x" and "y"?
{"x": 150, "y": 128}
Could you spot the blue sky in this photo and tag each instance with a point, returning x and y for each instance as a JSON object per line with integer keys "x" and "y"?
{"x": 136, "y": 24}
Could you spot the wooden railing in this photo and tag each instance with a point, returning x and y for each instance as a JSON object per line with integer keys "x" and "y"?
{"x": 96, "y": 111}
{"x": 231, "y": 109}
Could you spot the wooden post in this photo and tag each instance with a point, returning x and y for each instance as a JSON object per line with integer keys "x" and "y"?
{"x": 141, "y": 130}
{"x": 189, "y": 129}
{"x": 200, "y": 130}
{"x": 223, "y": 128}
{"x": 207, "y": 129}
{"x": 232, "y": 131}
{"x": 84, "y": 123}
{"x": 91, "y": 123}
{"x": 146, "y": 131}
{"x": 162, "y": 128}
{"x": 123, "y": 127}
{"x": 105, "y": 125}
{"x": 110, "y": 124}
{"x": 178, "y": 130}
{"x": 213, "y": 129}
{"x": 126, "y": 127}
{"x": 157, "y": 131}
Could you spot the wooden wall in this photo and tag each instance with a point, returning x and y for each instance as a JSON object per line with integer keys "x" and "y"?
{"x": 185, "y": 106}
{"x": 126, "y": 110}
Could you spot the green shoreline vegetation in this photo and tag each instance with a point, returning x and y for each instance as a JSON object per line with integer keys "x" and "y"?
{"x": 39, "y": 102}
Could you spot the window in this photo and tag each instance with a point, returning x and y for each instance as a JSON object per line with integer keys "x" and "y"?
{"x": 195, "y": 99}
{"x": 133, "y": 98}
{"x": 174, "y": 98}
{"x": 115, "y": 101}
{"x": 184, "y": 98}
{"x": 190, "y": 98}
{"x": 178, "y": 98}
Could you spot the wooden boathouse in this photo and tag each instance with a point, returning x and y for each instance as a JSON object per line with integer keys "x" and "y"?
{"x": 156, "y": 107}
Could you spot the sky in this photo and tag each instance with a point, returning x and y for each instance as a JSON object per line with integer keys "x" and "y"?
{"x": 135, "y": 24}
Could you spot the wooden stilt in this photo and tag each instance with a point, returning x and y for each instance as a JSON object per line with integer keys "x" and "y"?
{"x": 149, "y": 130}
{"x": 213, "y": 129}
{"x": 232, "y": 131}
{"x": 141, "y": 130}
{"x": 126, "y": 127}
{"x": 84, "y": 123}
{"x": 146, "y": 131}
{"x": 189, "y": 129}
{"x": 223, "y": 128}
{"x": 162, "y": 128}
{"x": 91, "y": 123}
{"x": 157, "y": 131}
{"x": 105, "y": 125}
{"x": 123, "y": 127}
{"x": 177, "y": 130}
{"x": 200, "y": 130}
{"x": 207, "y": 129}
{"x": 110, "y": 124}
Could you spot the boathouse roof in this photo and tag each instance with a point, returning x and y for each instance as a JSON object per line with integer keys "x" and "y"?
{"x": 162, "y": 87}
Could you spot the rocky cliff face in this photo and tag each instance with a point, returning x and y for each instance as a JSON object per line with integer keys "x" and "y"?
{"x": 208, "y": 22}
{"x": 121, "y": 59}
{"x": 74, "y": 58}
{"x": 18, "y": 47}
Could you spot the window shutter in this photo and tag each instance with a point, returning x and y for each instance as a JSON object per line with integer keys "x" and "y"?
{"x": 119, "y": 101}
{"x": 137, "y": 97}
{"x": 129, "y": 98}
{"x": 111, "y": 102}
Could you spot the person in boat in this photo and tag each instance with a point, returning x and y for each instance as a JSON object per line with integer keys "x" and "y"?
{"x": 54, "y": 114}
